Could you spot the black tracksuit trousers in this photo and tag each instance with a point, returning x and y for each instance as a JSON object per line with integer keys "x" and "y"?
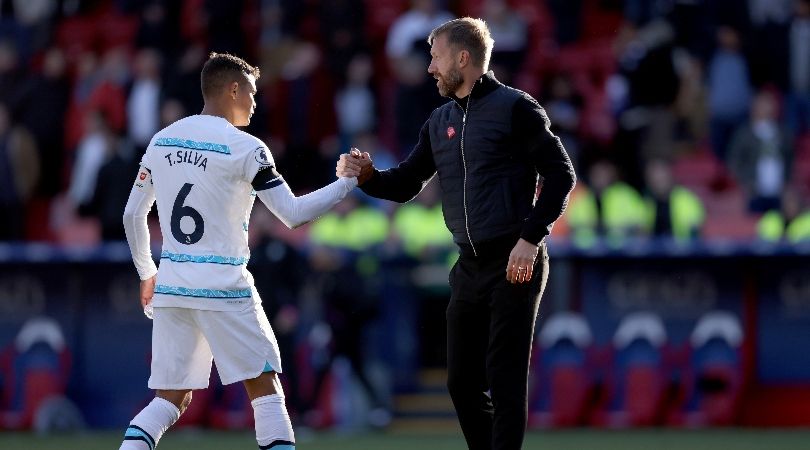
{"x": 490, "y": 325}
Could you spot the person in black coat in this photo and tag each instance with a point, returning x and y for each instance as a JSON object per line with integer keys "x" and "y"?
{"x": 490, "y": 146}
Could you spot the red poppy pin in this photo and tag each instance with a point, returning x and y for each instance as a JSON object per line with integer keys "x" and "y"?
{"x": 142, "y": 176}
{"x": 451, "y": 132}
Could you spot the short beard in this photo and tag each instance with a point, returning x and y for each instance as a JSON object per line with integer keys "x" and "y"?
{"x": 450, "y": 84}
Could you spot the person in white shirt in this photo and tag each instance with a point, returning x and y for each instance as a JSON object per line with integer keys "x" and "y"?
{"x": 205, "y": 174}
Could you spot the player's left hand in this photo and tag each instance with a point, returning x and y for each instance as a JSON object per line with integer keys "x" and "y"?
{"x": 147, "y": 291}
{"x": 520, "y": 267}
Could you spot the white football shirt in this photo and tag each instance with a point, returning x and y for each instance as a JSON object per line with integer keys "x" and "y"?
{"x": 201, "y": 168}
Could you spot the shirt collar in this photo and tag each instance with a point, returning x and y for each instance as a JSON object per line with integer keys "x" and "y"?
{"x": 483, "y": 86}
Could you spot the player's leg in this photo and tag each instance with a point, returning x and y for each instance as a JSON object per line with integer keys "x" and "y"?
{"x": 273, "y": 426}
{"x": 245, "y": 350}
{"x": 467, "y": 337}
{"x": 181, "y": 361}
{"x": 146, "y": 429}
{"x": 514, "y": 310}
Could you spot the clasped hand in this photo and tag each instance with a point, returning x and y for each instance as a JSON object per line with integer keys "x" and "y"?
{"x": 355, "y": 164}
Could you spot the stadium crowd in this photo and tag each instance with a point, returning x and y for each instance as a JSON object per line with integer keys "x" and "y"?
{"x": 685, "y": 119}
{"x": 697, "y": 112}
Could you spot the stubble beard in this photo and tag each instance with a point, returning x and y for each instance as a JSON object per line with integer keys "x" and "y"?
{"x": 450, "y": 84}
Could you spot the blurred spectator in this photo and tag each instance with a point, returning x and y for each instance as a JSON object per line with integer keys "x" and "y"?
{"x": 413, "y": 27}
{"x": 641, "y": 12}
{"x": 42, "y": 111}
{"x": 646, "y": 125}
{"x": 420, "y": 226}
{"x": 511, "y": 32}
{"x": 143, "y": 104}
{"x": 567, "y": 18}
{"x": 352, "y": 226}
{"x": 11, "y": 74}
{"x": 672, "y": 210}
{"x": 19, "y": 174}
{"x": 220, "y": 19}
{"x": 729, "y": 89}
{"x": 383, "y": 157}
{"x": 564, "y": 108}
{"x": 157, "y": 27}
{"x": 91, "y": 153}
{"x": 32, "y": 22}
{"x": 350, "y": 304}
{"x": 279, "y": 286}
{"x": 761, "y": 155}
{"x": 790, "y": 223}
{"x": 342, "y": 26}
{"x": 182, "y": 79}
{"x": 798, "y": 100}
{"x": 406, "y": 47}
{"x": 690, "y": 106}
{"x": 610, "y": 208}
{"x": 171, "y": 110}
{"x": 355, "y": 103}
{"x": 111, "y": 192}
{"x": 692, "y": 22}
{"x": 97, "y": 88}
{"x": 769, "y": 50}
{"x": 302, "y": 118}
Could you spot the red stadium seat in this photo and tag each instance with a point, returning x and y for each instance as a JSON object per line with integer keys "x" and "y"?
{"x": 562, "y": 381}
{"x": 635, "y": 390}
{"x": 36, "y": 368}
{"x": 713, "y": 379}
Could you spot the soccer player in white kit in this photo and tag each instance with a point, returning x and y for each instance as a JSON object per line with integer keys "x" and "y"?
{"x": 204, "y": 174}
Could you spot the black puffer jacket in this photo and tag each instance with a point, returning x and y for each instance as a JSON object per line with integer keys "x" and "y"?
{"x": 488, "y": 150}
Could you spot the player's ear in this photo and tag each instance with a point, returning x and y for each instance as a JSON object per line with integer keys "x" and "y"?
{"x": 234, "y": 89}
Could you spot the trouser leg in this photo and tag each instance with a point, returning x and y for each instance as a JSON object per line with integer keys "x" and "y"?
{"x": 513, "y": 313}
{"x": 467, "y": 338}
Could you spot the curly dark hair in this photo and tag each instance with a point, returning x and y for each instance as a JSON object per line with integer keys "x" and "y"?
{"x": 222, "y": 69}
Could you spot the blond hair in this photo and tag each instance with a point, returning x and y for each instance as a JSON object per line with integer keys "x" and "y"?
{"x": 468, "y": 34}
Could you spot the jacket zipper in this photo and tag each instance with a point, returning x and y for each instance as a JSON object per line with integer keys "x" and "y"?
{"x": 464, "y": 163}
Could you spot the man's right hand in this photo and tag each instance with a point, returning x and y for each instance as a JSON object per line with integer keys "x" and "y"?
{"x": 363, "y": 159}
{"x": 147, "y": 290}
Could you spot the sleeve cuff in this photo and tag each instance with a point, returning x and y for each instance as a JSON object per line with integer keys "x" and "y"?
{"x": 148, "y": 273}
{"x": 534, "y": 236}
{"x": 350, "y": 183}
{"x": 369, "y": 184}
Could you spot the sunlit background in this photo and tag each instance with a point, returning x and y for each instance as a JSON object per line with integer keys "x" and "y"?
{"x": 679, "y": 293}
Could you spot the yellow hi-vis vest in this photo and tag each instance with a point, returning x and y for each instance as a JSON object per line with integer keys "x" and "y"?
{"x": 771, "y": 227}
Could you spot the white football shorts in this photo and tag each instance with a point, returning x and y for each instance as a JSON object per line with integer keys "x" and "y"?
{"x": 185, "y": 341}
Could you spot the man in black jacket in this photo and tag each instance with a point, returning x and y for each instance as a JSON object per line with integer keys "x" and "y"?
{"x": 488, "y": 145}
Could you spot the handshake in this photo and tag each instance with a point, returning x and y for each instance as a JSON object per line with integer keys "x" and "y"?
{"x": 355, "y": 164}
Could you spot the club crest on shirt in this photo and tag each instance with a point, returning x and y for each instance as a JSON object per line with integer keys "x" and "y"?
{"x": 451, "y": 132}
{"x": 140, "y": 179}
{"x": 261, "y": 156}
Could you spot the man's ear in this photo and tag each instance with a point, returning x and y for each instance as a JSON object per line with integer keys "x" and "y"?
{"x": 234, "y": 89}
{"x": 463, "y": 58}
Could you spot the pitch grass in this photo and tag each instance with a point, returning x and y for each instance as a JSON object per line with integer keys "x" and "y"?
{"x": 585, "y": 439}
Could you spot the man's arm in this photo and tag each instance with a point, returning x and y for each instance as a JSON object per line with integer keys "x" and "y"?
{"x": 138, "y": 205}
{"x": 404, "y": 182}
{"x": 294, "y": 211}
{"x": 547, "y": 154}
{"x": 137, "y": 209}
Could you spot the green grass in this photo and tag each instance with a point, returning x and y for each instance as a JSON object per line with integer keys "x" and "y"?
{"x": 651, "y": 439}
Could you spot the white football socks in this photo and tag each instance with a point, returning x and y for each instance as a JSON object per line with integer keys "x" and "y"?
{"x": 273, "y": 427}
{"x": 148, "y": 426}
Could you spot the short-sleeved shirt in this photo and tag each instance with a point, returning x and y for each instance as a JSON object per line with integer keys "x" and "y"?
{"x": 202, "y": 168}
